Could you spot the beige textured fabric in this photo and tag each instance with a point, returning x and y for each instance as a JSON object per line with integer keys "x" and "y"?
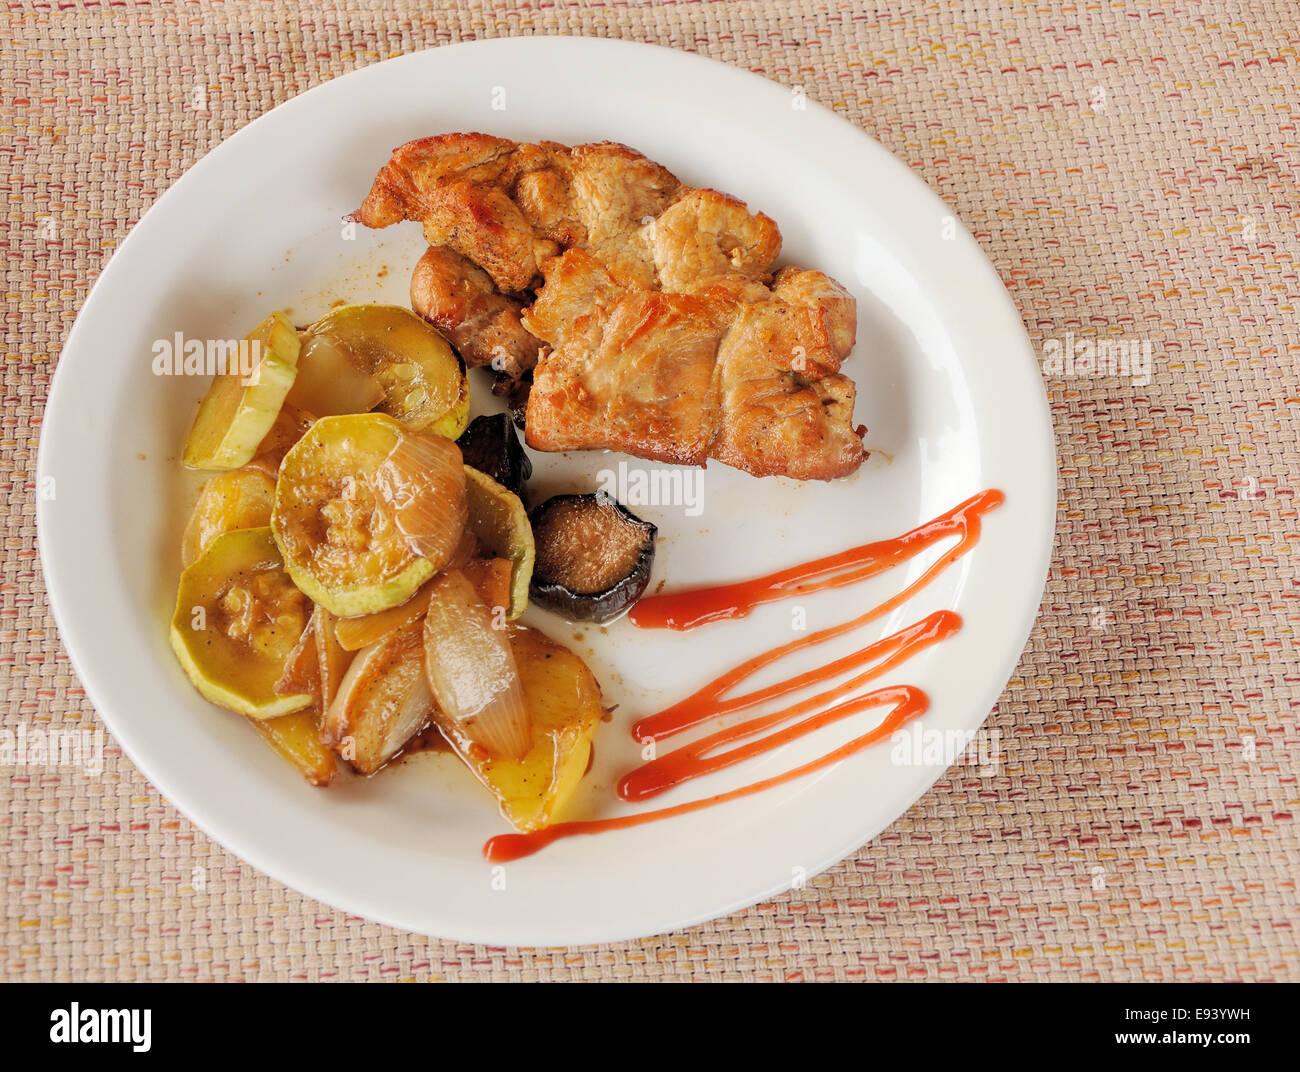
{"x": 1131, "y": 170}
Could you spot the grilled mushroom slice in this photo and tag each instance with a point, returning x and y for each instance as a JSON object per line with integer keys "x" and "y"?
{"x": 593, "y": 556}
{"x": 491, "y": 446}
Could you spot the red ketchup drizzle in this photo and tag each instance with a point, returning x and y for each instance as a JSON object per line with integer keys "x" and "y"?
{"x": 689, "y": 609}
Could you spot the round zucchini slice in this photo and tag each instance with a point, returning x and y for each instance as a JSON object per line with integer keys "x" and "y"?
{"x": 238, "y": 616}
{"x": 339, "y": 546}
{"x": 239, "y": 410}
{"x": 500, "y": 523}
{"x": 400, "y": 365}
{"x": 239, "y": 499}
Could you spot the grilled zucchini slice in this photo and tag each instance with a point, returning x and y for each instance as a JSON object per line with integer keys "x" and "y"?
{"x": 238, "y": 411}
{"x": 238, "y": 616}
{"x": 399, "y": 364}
{"x": 339, "y": 546}
{"x": 498, "y": 519}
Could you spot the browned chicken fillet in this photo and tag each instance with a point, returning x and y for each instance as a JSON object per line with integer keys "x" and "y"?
{"x": 780, "y": 421}
{"x": 680, "y": 378}
{"x": 417, "y": 168}
{"x": 507, "y": 206}
{"x": 633, "y": 369}
{"x": 458, "y": 298}
{"x": 657, "y": 327}
{"x": 482, "y": 223}
{"x": 705, "y": 235}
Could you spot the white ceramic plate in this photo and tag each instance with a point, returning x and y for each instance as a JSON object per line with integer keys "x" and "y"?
{"x": 947, "y": 383}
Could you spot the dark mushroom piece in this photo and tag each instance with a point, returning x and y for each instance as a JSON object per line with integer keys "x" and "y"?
{"x": 491, "y": 445}
{"x": 593, "y": 557}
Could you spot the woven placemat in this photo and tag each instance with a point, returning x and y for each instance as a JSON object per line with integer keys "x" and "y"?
{"x": 1131, "y": 170}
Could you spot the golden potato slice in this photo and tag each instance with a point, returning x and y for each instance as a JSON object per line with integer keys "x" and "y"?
{"x": 564, "y": 701}
{"x": 296, "y": 737}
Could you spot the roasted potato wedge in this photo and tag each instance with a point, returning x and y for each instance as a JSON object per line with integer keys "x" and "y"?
{"x": 297, "y": 738}
{"x": 564, "y": 701}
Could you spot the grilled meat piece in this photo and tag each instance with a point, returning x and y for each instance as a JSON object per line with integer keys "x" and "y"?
{"x": 657, "y": 327}
{"x": 458, "y": 298}
{"x": 720, "y": 372}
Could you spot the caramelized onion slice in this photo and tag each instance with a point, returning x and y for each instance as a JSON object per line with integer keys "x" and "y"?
{"x": 317, "y": 663}
{"x": 302, "y": 667}
{"x": 421, "y": 486}
{"x": 329, "y": 380}
{"x": 332, "y": 659}
{"x": 356, "y": 633}
{"x": 382, "y": 701}
{"x": 471, "y": 669}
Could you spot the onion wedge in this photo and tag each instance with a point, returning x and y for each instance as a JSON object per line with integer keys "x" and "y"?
{"x": 421, "y": 487}
{"x": 471, "y": 670}
{"x": 490, "y": 578}
{"x": 302, "y": 666}
{"x": 329, "y": 381}
{"x": 332, "y": 660}
{"x": 317, "y": 663}
{"x": 382, "y": 702}
{"x": 356, "y": 633}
